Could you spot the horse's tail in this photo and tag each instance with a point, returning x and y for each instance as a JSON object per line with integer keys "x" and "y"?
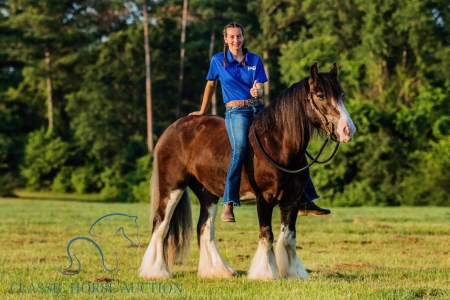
{"x": 154, "y": 192}
{"x": 177, "y": 242}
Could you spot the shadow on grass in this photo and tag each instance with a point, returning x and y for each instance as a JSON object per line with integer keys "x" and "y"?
{"x": 332, "y": 274}
{"x": 190, "y": 274}
{"x": 93, "y": 198}
{"x": 60, "y": 197}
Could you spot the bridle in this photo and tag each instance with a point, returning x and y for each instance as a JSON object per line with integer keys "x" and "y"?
{"x": 329, "y": 128}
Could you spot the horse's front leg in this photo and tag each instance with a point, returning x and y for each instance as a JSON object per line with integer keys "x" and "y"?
{"x": 263, "y": 265}
{"x": 288, "y": 263}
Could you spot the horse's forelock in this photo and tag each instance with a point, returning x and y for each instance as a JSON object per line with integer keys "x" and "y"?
{"x": 330, "y": 86}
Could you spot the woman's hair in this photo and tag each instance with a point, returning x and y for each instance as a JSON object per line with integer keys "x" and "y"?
{"x": 225, "y": 46}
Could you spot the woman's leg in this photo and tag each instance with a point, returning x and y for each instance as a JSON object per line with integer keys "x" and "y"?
{"x": 237, "y": 121}
{"x": 310, "y": 190}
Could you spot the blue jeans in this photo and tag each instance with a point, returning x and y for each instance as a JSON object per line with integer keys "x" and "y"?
{"x": 237, "y": 121}
{"x": 310, "y": 190}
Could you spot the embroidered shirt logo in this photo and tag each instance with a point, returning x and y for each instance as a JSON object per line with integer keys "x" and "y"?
{"x": 252, "y": 68}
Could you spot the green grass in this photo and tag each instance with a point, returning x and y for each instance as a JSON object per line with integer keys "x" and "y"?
{"x": 354, "y": 253}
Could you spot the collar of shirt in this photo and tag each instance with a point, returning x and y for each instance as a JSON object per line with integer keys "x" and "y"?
{"x": 231, "y": 59}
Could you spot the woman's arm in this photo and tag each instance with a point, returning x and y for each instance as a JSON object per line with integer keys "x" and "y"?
{"x": 207, "y": 95}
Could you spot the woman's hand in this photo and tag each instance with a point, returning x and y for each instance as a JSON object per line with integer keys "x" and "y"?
{"x": 255, "y": 91}
{"x": 196, "y": 113}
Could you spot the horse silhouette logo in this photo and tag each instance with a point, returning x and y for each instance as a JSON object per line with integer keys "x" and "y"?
{"x": 120, "y": 218}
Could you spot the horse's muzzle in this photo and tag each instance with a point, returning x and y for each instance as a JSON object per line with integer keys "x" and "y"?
{"x": 344, "y": 133}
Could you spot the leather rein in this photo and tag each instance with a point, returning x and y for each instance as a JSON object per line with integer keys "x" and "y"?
{"x": 330, "y": 135}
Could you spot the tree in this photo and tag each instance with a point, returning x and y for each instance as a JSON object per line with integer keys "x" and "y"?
{"x": 389, "y": 52}
{"x": 43, "y": 42}
{"x": 148, "y": 81}
{"x": 182, "y": 50}
{"x": 393, "y": 56}
{"x": 280, "y": 21}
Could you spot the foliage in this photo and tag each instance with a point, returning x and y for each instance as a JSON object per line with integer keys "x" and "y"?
{"x": 44, "y": 157}
{"x": 394, "y": 58}
{"x": 133, "y": 187}
{"x": 427, "y": 183}
{"x": 388, "y": 53}
{"x": 62, "y": 182}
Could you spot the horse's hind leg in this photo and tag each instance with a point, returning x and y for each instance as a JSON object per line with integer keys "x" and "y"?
{"x": 288, "y": 263}
{"x": 211, "y": 264}
{"x": 171, "y": 236}
{"x": 154, "y": 265}
{"x": 263, "y": 265}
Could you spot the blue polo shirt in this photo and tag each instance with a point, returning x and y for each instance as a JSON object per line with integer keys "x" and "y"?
{"x": 235, "y": 78}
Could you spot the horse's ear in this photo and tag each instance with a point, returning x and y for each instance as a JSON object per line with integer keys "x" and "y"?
{"x": 313, "y": 78}
{"x": 334, "y": 70}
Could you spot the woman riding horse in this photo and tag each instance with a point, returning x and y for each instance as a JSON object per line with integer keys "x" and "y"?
{"x": 241, "y": 74}
{"x": 194, "y": 152}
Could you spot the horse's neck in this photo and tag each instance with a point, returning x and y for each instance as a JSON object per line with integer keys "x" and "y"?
{"x": 278, "y": 145}
{"x": 296, "y": 153}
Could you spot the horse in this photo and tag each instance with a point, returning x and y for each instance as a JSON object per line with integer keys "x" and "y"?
{"x": 194, "y": 152}
{"x": 119, "y": 218}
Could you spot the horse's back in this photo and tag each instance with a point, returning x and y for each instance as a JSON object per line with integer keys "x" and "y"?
{"x": 193, "y": 133}
{"x": 197, "y": 145}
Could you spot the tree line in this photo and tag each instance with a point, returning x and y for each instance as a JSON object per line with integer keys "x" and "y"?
{"x": 73, "y": 109}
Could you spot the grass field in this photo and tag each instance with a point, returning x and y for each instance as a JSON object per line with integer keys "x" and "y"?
{"x": 354, "y": 253}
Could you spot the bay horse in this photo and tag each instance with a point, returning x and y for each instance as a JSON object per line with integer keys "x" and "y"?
{"x": 195, "y": 151}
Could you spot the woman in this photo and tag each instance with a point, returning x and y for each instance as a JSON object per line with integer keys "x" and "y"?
{"x": 241, "y": 74}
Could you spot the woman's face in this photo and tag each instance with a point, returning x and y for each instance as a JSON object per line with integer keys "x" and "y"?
{"x": 234, "y": 38}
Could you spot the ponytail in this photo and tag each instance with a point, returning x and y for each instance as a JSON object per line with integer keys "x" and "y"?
{"x": 225, "y": 47}
{"x": 244, "y": 51}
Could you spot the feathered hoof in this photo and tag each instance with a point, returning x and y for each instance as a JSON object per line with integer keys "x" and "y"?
{"x": 262, "y": 277}
{"x": 225, "y": 272}
{"x": 157, "y": 271}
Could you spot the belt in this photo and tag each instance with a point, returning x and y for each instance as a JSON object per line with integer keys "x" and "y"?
{"x": 248, "y": 102}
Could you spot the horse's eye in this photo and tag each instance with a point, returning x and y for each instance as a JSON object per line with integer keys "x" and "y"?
{"x": 320, "y": 96}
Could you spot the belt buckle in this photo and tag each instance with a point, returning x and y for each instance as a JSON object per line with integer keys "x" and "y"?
{"x": 253, "y": 101}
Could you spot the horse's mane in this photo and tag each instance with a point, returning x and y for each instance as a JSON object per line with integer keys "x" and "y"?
{"x": 288, "y": 112}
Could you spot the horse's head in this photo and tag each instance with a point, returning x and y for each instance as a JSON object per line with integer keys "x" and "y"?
{"x": 326, "y": 98}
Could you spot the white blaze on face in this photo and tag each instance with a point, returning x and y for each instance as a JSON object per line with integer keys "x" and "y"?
{"x": 345, "y": 128}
